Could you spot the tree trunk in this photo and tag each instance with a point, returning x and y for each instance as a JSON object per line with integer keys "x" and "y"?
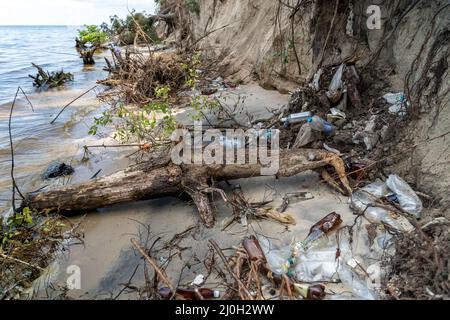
{"x": 149, "y": 181}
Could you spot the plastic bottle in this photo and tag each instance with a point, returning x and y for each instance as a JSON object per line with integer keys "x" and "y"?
{"x": 318, "y": 124}
{"x": 296, "y": 118}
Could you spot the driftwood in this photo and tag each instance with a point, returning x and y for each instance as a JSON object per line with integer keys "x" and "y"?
{"x": 87, "y": 54}
{"x": 50, "y": 79}
{"x": 150, "y": 180}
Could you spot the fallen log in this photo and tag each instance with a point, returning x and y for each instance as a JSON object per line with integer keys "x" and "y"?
{"x": 150, "y": 180}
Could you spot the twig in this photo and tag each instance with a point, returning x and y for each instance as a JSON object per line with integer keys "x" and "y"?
{"x": 4, "y": 256}
{"x": 26, "y": 97}
{"x": 14, "y": 185}
{"x": 152, "y": 262}
{"x": 67, "y": 105}
{"x": 227, "y": 266}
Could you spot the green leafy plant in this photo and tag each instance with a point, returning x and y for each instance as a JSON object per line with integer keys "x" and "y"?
{"x": 92, "y": 34}
{"x": 125, "y": 30}
{"x": 140, "y": 124}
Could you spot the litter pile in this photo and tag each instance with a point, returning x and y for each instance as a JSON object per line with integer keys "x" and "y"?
{"x": 335, "y": 261}
{"x": 343, "y": 111}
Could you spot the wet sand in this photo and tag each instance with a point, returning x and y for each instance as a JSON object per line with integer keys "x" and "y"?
{"x": 107, "y": 259}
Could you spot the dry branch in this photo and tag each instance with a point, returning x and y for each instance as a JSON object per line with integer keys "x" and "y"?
{"x": 149, "y": 181}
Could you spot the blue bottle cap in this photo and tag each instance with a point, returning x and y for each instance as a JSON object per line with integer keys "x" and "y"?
{"x": 310, "y": 119}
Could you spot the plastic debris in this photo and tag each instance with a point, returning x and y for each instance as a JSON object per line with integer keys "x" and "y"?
{"x": 369, "y": 136}
{"x": 321, "y": 263}
{"x": 334, "y": 92}
{"x": 198, "y": 281}
{"x": 316, "y": 80}
{"x": 330, "y": 149}
{"x": 318, "y": 124}
{"x": 296, "y": 118}
{"x": 311, "y": 292}
{"x": 363, "y": 201}
{"x": 230, "y": 143}
{"x": 407, "y": 198}
{"x": 305, "y": 136}
{"x": 398, "y": 102}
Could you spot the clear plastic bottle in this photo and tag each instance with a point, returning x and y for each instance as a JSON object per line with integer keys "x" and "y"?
{"x": 318, "y": 124}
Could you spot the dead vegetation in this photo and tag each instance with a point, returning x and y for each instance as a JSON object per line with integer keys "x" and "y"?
{"x": 29, "y": 242}
{"x": 135, "y": 77}
{"x": 46, "y": 79}
{"x": 420, "y": 266}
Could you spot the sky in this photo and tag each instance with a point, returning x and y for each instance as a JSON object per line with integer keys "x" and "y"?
{"x": 67, "y": 12}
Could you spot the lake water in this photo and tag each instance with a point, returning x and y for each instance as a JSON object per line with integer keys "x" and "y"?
{"x": 37, "y": 142}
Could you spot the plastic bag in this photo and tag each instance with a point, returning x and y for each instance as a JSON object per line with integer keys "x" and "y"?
{"x": 334, "y": 92}
{"x": 397, "y": 101}
{"x": 276, "y": 257}
{"x": 363, "y": 200}
{"x": 408, "y": 199}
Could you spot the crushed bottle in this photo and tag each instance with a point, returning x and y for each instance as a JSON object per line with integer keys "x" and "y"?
{"x": 318, "y": 124}
{"x": 407, "y": 198}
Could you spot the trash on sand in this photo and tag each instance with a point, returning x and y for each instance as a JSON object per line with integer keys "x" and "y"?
{"x": 296, "y": 118}
{"x": 325, "y": 262}
{"x": 353, "y": 80}
{"x": 318, "y": 124}
{"x": 369, "y": 136}
{"x": 316, "y": 80}
{"x": 330, "y": 149}
{"x": 344, "y": 102}
{"x": 409, "y": 201}
{"x": 323, "y": 227}
{"x": 198, "y": 281}
{"x": 190, "y": 294}
{"x": 398, "y": 102}
{"x": 295, "y": 197}
{"x": 334, "y": 92}
{"x": 259, "y": 262}
{"x": 338, "y": 113}
{"x": 364, "y": 201}
{"x": 253, "y": 249}
{"x": 311, "y": 292}
{"x": 305, "y": 136}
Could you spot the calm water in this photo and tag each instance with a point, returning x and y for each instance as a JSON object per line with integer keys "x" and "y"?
{"x": 53, "y": 48}
{"x": 36, "y": 141}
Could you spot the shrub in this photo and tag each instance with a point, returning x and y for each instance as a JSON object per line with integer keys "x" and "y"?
{"x": 92, "y": 34}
